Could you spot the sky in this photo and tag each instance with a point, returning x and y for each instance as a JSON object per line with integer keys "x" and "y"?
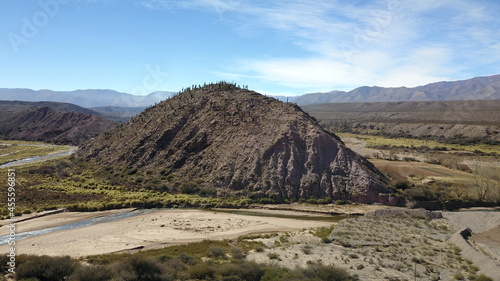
{"x": 278, "y": 47}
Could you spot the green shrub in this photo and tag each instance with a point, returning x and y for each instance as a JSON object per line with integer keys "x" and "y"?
{"x": 307, "y": 250}
{"x": 274, "y": 274}
{"x": 242, "y": 271}
{"x": 91, "y": 273}
{"x": 217, "y": 252}
{"x": 266, "y": 201}
{"x": 237, "y": 253}
{"x": 189, "y": 188}
{"x": 187, "y": 259}
{"x": 483, "y": 277}
{"x": 45, "y": 268}
{"x": 140, "y": 268}
{"x": 201, "y": 271}
{"x": 206, "y": 192}
{"x": 326, "y": 273}
{"x": 228, "y": 269}
{"x": 402, "y": 185}
{"x": 273, "y": 256}
{"x": 259, "y": 249}
{"x": 324, "y": 231}
{"x": 342, "y": 202}
{"x": 250, "y": 271}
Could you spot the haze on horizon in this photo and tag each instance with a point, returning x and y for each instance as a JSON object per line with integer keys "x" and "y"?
{"x": 279, "y": 47}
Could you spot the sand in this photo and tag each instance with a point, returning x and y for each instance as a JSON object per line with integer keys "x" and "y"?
{"x": 153, "y": 230}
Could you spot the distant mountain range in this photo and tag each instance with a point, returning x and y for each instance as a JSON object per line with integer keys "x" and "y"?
{"x": 85, "y": 98}
{"x": 479, "y": 88}
{"x": 117, "y": 113}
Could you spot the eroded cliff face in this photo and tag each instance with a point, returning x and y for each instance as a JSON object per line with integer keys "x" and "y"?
{"x": 239, "y": 142}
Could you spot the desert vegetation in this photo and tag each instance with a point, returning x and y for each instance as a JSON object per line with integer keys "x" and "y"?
{"x": 425, "y": 145}
{"x": 436, "y": 174}
{"x": 424, "y": 170}
{"x": 445, "y": 152}
{"x": 63, "y": 184}
{"x": 375, "y": 248}
{"x": 206, "y": 260}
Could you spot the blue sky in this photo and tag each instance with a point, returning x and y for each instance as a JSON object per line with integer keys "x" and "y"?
{"x": 276, "y": 47}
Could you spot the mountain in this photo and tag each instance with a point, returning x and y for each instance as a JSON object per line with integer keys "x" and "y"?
{"x": 316, "y": 98}
{"x": 50, "y": 122}
{"x": 16, "y": 106}
{"x": 85, "y": 98}
{"x": 116, "y": 113}
{"x": 466, "y": 122}
{"x": 479, "y": 88}
{"x": 235, "y": 141}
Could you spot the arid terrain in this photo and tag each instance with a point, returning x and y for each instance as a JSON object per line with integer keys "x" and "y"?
{"x": 386, "y": 245}
{"x": 156, "y": 229}
{"x": 286, "y": 204}
{"x": 465, "y": 122}
{"x": 395, "y": 248}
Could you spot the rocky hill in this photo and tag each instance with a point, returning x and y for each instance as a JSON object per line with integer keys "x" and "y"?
{"x": 478, "y": 88}
{"x": 239, "y": 142}
{"x": 50, "y": 122}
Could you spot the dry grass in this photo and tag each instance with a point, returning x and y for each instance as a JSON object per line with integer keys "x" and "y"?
{"x": 377, "y": 141}
{"x": 388, "y": 248}
{"x": 16, "y": 150}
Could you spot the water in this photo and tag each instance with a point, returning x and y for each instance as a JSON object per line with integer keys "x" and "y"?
{"x": 104, "y": 219}
{"x": 33, "y": 159}
{"x": 114, "y": 217}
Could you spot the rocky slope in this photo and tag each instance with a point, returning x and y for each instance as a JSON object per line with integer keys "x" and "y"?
{"x": 45, "y": 123}
{"x": 239, "y": 142}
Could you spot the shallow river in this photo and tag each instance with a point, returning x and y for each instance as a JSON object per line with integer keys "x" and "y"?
{"x": 104, "y": 219}
{"x": 114, "y": 217}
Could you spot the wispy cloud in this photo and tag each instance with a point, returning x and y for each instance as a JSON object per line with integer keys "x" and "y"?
{"x": 386, "y": 42}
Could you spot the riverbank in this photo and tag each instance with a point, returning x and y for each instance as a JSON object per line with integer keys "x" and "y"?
{"x": 156, "y": 229}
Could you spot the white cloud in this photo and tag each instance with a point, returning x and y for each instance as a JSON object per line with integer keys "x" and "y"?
{"x": 387, "y": 42}
{"x": 420, "y": 67}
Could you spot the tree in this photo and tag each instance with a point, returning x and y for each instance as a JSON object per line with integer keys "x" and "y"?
{"x": 484, "y": 182}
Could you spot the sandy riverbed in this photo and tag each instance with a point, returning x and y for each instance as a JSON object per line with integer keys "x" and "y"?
{"x": 157, "y": 229}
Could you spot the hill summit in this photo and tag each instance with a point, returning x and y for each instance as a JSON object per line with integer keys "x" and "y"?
{"x": 237, "y": 141}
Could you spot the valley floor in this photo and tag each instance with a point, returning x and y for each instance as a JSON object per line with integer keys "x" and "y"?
{"x": 374, "y": 248}
{"x": 152, "y": 230}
